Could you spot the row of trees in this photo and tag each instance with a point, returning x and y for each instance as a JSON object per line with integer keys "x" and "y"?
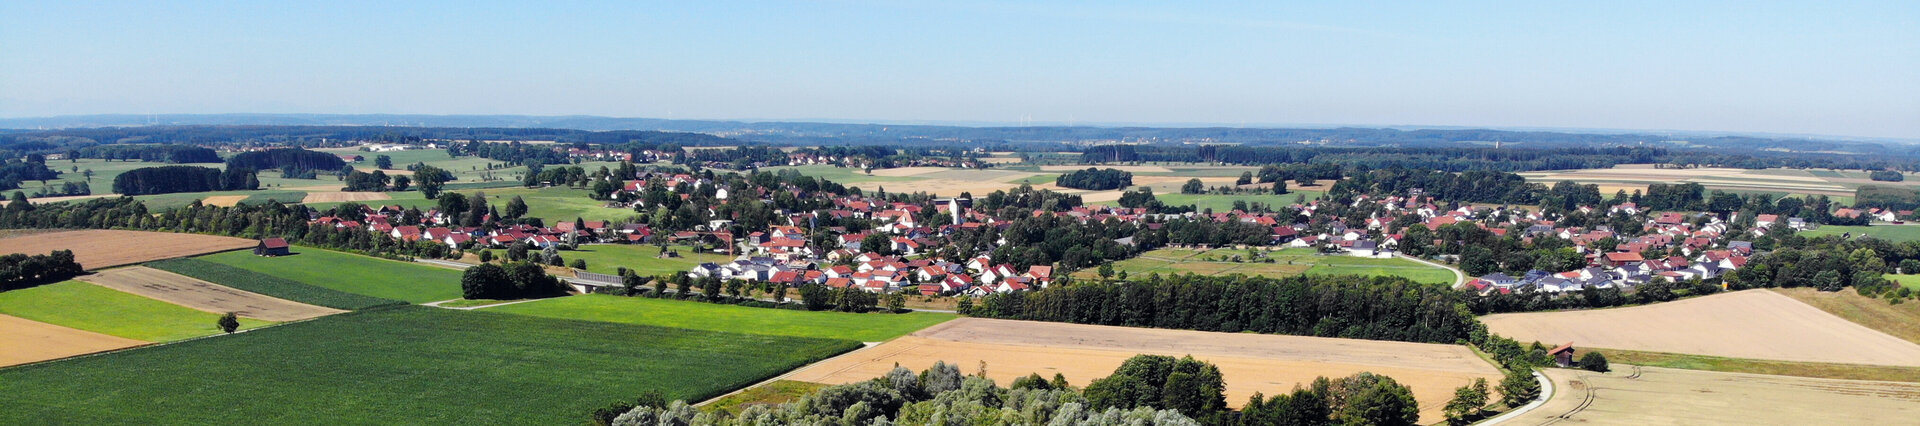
{"x": 18, "y": 270}
{"x": 171, "y": 179}
{"x": 375, "y": 182}
{"x": 13, "y": 172}
{"x": 165, "y": 153}
{"x": 1887, "y": 176}
{"x": 1378, "y": 308}
{"x": 1095, "y": 179}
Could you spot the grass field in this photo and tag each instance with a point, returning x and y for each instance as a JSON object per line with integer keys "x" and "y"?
{"x": 1760, "y": 366}
{"x": 557, "y": 204}
{"x": 605, "y": 258}
{"x": 1287, "y": 262}
{"x": 1902, "y": 320}
{"x": 777, "y": 392}
{"x": 843, "y": 175}
{"x": 269, "y": 285}
{"x": 406, "y": 365}
{"x": 1908, "y": 281}
{"x": 350, "y": 273}
{"x": 112, "y": 312}
{"x": 1224, "y": 203}
{"x": 869, "y": 327}
{"x": 1894, "y": 233}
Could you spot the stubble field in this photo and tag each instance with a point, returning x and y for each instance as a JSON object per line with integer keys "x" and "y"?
{"x": 1756, "y": 324}
{"x": 96, "y": 249}
{"x": 1658, "y": 396}
{"x": 201, "y": 295}
{"x": 1251, "y": 363}
{"x": 23, "y": 341}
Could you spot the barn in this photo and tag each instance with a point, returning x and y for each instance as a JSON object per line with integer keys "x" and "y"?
{"x": 1563, "y": 355}
{"x": 271, "y": 247}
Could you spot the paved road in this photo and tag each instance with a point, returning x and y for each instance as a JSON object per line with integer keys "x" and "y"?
{"x": 1546, "y": 393}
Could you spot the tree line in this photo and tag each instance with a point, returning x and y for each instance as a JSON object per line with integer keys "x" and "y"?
{"x": 18, "y": 270}
{"x": 1095, "y": 179}
{"x": 286, "y": 158}
{"x": 164, "y": 153}
{"x": 172, "y": 179}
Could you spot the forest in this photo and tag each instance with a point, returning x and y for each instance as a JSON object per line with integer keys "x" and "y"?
{"x": 171, "y": 179}
{"x": 287, "y": 158}
{"x": 1460, "y": 159}
{"x": 160, "y": 153}
{"x": 1095, "y": 179}
{"x": 15, "y": 171}
{"x": 1377, "y": 308}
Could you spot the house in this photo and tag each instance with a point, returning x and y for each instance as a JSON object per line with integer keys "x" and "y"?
{"x": 275, "y": 246}
{"x": 1562, "y": 355}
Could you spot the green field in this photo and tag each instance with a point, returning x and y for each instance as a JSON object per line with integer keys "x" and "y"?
{"x": 1287, "y": 262}
{"x": 401, "y": 365}
{"x": 1908, "y": 281}
{"x": 557, "y": 204}
{"x": 107, "y": 311}
{"x": 367, "y": 276}
{"x": 1224, "y": 203}
{"x": 869, "y": 327}
{"x": 607, "y": 258}
{"x": 269, "y": 285}
{"x": 1894, "y": 233}
{"x": 842, "y": 175}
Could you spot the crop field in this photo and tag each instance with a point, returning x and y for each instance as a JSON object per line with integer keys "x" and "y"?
{"x": 1893, "y": 233}
{"x": 1251, "y": 363}
{"x": 97, "y": 309}
{"x": 869, "y": 327}
{"x": 1655, "y": 396}
{"x": 23, "y": 341}
{"x": 269, "y": 285}
{"x": 606, "y": 258}
{"x": 1755, "y": 324}
{"x": 407, "y": 364}
{"x": 342, "y": 196}
{"x": 96, "y": 249}
{"x": 1287, "y": 262}
{"x": 362, "y": 275}
{"x": 1630, "y": 177}
{"x": 205, "y": 296}
{"x": 1902, "y": 320}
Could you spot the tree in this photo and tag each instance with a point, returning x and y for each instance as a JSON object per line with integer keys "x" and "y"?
{"x": 1303, "y": 180}
{"x": 580, "y": 264}
{"x": 516, "y": 208}
{"x": 1519, "y": 387}
{"x": 485, "y": 281}
{"x": 1594, "y": 361}
{"x": 897, "y": 302}
{"x": 1193, "y": 186}
{"x": 1245, "y": 178}
{"x": 383, "y": 161}
{"x": 1467, "y": 403}
{"x": 431, "y": 180}
{"x": 486, "y": 256}
{"x": 877, "y": 243}
{"x": 401, "y": 183}
{"x": 1279, "y": 187}
{"x": 229, "y": 322}
{"x": 1827, "y": 280}
{"x": 1384, "y": 402}
{"x": 1106, "y": 270}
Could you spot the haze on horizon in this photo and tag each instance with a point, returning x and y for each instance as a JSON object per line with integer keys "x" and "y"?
{"x": 1836, "y": 68}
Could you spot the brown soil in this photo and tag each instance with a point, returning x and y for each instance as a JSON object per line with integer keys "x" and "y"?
{"x": 1756, "y": 324}
{"x": 1263, "y": 363}
{"x": 23, "y": 341}
{"x": 1662, "y": 396}
{"x": 341, "y": 196}
{"x": 96, "y": 249}
{"x": 193, "y": 293}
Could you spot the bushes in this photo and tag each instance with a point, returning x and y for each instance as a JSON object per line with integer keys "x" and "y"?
{"x": 1519, "y": 387}
{"x": 19, "y": 271}
{"x": 1594, "y": 361}
{"x": 516, "y": 281}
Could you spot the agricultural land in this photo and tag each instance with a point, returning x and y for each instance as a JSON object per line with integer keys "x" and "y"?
{"x": 205, "y": 296}
{"x": 1287, "y": 262}
{"x": 1755, "y": 324}
{"x": 410, "y": 282}
{"x": 1652, "y": 395}
{"x": 870, "y": 327}
{"x": 96, "y": 249}
{"x": 103, "y": 310}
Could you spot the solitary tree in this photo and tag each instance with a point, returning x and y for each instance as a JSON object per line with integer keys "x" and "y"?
{"x": 1594, "y": 361}
{"x": 383, "y": 161}
{"x": 229, "y": 322}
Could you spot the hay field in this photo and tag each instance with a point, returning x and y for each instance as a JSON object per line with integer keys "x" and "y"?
{"x": 1135, "y": 169}
{"x": 1630, "y": 177}
{"x": 1251, "y": 362}
{"x": 907, "y": 171}
{"x": 1755, "y": 324}
{"x": 1287, "y": 262}
{"x": 342, "y": 196}
{"x": 205, "y": 296}
{"x": 223, "y": 200}
{"x": 96, "y": 249}
{"x": 1663, "y": 396}
{"x": 23, "y": 341}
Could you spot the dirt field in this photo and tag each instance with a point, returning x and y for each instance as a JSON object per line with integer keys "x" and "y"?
{"x": 1755, "y": 324}
{"x": 97, "y": 249}
{"x": 193, "y": 293}
{"x": 340, "y": 196}
{"x": 1135, "y": 169}
{"x": 1661, "y": 396}
{"x": 23, "y": 341}
{"x": 223, "y": 200}
{"x": 1251, "y": 362}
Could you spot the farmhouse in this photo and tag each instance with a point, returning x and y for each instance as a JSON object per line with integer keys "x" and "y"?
{"x": 275, "y": 246}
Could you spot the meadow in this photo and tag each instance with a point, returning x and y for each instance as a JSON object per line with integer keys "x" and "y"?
{"x": 112, "y": 312}
{"x": 1220, "y": 203}
{"x": 362, "y": 275}
{"x": 1894, "y": 233}
{"x": 269, "y": 285}
{"x": 868, "y": 327}
{"x": 407, "y": 364}
{"x": 607, "y": 258}
{"x": 1287, "y": 262}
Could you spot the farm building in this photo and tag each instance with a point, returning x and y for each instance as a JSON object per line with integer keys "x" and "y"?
{"x": 272, "y": 247}
{"x": 1562, "y": 355}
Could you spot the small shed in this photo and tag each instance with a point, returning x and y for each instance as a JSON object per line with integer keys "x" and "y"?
{"x": 271, "y": 247}
{"x": 1562, "y": 355}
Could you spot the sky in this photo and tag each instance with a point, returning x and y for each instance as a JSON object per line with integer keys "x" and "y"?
{"x": 1829, "y": 67}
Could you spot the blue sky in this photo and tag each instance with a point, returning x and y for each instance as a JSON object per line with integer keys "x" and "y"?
{"x": 1838, "y": 68}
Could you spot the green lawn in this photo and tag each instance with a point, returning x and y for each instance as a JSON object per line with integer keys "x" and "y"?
{"x": 606, "y": 258}
{"x": 103, "y": 310}
{"x": 1893, "y": 233}
{"x": 367, "y": 276}
{"x": 256, "y": 282}
{"x": 869, "y": 327}
{"x": 1908, "y": 281}
{"x": 401, "y": 365}
{"x": 1287, "y": 262}
{"x": 1224, "y": 203}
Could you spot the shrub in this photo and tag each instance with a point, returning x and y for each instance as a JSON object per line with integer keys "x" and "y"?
{"x": 229, "y": 322}
{"x": 1594, "y": 361}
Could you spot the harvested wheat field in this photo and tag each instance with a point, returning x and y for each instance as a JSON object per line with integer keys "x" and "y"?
{"x": 1755, "y": 324}
{"x": 1134, "y": 169}
{"x": 205, "y": 296}
{"x": 1251, "y": 362}
{"x": 223, "y": 200}
{"x": 341, "y": 196}
{"x": 96, "y": 249}
{"x": 1663, "y": 396}
{"x": 908, "y": 171}
{"x": 23, "y": 341}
